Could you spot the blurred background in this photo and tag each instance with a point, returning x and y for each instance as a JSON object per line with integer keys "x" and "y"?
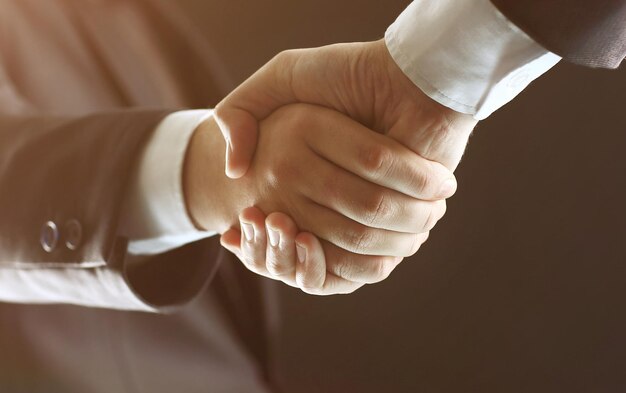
{"x": 521, "y": 287}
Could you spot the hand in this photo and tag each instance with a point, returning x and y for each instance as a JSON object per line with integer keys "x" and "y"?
{"x": 360, "y": 80}
{"x": 356, "y": 189}
{"x": 281, "y": 253}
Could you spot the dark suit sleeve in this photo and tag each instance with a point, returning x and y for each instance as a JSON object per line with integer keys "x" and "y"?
{"x": 587, "y": 32}
{"x": 63, "y": 170}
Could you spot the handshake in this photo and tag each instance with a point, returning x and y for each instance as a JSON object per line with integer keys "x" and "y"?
{"x": 334, "y": 166}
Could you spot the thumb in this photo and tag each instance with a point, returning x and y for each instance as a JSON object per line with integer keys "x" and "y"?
{"x": 240, "y": 131}
{"x": 239, "y": 113}
{"x": 231, "y": 240}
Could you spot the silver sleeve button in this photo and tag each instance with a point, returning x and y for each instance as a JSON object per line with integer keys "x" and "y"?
{"x": 73, "y": 234}
{"x": 49, "y": 237}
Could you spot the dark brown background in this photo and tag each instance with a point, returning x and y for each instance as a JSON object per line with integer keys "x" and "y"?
{"x": 522, "y": 287}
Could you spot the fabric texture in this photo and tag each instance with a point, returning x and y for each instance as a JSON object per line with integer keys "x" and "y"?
{"x": 590, "y": 33}
{"x": 465, "y": 54}
{"x": 70, "y": 143}
{"x": 155, "y": 217}
{"x": 83, "y": 85}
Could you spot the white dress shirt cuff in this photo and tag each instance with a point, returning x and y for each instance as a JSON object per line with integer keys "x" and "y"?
{"x": 155, "y": 217}
{"x": 465, "y": 54}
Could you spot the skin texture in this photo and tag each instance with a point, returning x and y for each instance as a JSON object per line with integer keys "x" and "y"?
{"x": 370, "y": 200}
{"x": 360, "y": 80}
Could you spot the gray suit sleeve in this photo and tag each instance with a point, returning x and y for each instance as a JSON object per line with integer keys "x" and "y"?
{"x": 62, "y": 183}
{"x": 587, "y": 32}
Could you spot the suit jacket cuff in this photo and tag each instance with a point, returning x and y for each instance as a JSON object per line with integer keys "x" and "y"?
{"x": 86, "y": 174}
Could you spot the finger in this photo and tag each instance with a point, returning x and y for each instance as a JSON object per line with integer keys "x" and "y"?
{"x": 280, "y": 258}
{"x": 231, "y": 240}
{"x": 381, "y": 160}
{"x": 439, "y": 138}
{"x": 311, "y": 275}
{"x": 253, "y": 241}
{"x": 369, "y": 204}
{"x": 356, "y": 237}
{"x": 330, "y": 284}
{"x": 364, "y": 269}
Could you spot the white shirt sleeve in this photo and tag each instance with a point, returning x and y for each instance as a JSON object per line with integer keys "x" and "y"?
{"x": 465, "y": 54}
{"x": 155, "y": 217}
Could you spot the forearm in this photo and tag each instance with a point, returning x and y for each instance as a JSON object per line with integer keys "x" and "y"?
{"x": 82, "y": 171}
{"x": 63, "y": 169}
{"x": 64, "y": 181}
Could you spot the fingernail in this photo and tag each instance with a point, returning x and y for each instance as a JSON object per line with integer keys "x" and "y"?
{"x": 301, "y": 251}
{"x": 274, "y": 237}
{"x": 248, "y": 231}
{"x": 448, "y": 188}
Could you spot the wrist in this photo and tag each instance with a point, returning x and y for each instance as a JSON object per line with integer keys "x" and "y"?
{"x": 205, "y": 185}
{"x": 465, "y": 55}
{"x": 431, "y": 105}
{"x": 434, "y": 131}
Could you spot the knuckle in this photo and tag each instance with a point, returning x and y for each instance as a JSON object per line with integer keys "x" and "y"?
{"x": 346, "y": 270}
{"x": 408, "y": 245}
{"x": 297, "y": 119}
{"x": 362, "y": 239}
{"x": 283, "y": 66}
{"x": 431, "y": 219}
{"x": 377, "y": 205}
{"x": 306, "y": 290}
{"x": 348, "y": 291}
{"x": 283, "y": 56}
{"x": 276, "y": 267}
{"x": 440, "y": 131}
{"x": 331, "y": 188}
{"x": 443, "y": 208}
{"x": 435, "y": 212}
{"x": 364, "y": 270}
{"x": 377, "y": 160}
{"x": 379, "y": 271}
{"x": 423, "y": 179}
{"x": 310, "y": 288}
{"x": 281, "y": 172}
{"x": 254, "y": 263}
{"x": 417, "y": 243}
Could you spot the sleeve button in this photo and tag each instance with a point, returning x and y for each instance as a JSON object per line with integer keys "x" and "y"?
{"x": 49, "y": 237}
{"x": 73, "y": 233}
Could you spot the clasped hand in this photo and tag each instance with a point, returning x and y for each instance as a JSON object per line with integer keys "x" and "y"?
{"x": 370, "y": 200}
{"x": 371, "y": 197}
